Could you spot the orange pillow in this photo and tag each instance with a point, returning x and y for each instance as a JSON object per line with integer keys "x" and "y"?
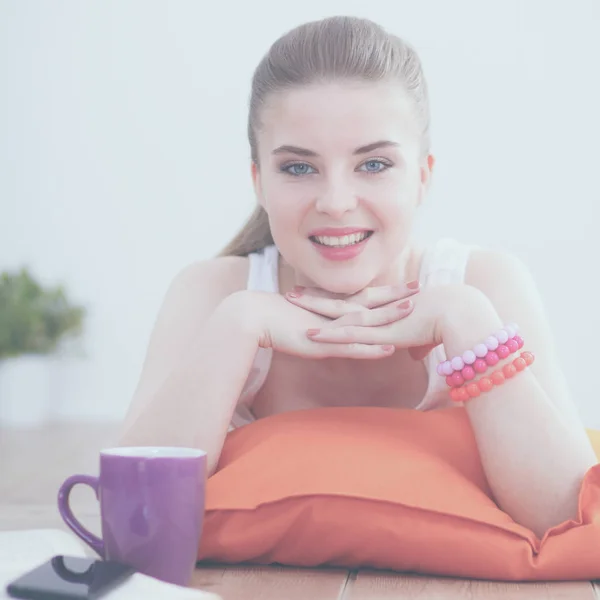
{"x": 382, "y": 488}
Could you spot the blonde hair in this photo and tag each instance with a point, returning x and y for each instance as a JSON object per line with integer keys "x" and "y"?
{"x": 335, "y": 48}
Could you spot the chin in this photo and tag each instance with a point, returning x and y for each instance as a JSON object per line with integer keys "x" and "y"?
{"x": 347, "y": 275}
{"x": 344, "y": 284}
{"x": 339, "y": 277}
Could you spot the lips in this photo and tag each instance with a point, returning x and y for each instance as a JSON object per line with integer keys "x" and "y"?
{"x": 341, "y": 247}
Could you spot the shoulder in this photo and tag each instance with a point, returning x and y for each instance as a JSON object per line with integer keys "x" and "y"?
{"x": 498, "y": 273}
{"x": 511, "y": 288}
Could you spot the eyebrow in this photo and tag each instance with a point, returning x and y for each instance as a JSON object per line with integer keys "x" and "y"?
{"x": 362, "y": 150}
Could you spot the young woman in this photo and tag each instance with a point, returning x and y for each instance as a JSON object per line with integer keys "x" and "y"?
{"x": 323, "y": 299}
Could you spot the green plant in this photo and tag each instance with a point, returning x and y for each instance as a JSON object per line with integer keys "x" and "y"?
{"x": 34, "y": 319}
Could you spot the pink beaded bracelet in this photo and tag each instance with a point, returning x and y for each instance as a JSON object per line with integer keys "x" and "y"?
{"x": 498, "y": 377}
{"x": 487, "y": 354}
{"x": 492, "y": 358}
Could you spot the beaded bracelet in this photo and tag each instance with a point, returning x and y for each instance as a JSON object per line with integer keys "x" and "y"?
{"x": 487, "y": 353}
{"x": 491, "y": 343}
{"x": 492, "y": 357}
{"x": 498, "y": 377}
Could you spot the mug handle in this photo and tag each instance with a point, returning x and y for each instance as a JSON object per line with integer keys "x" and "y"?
{"x": 67, "y": 514}
{"x": 58, "y": 564}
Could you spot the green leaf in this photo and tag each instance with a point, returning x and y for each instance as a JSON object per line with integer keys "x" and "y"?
{"x": 34, "y": 319}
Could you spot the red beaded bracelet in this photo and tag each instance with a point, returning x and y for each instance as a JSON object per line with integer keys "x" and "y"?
{"x": 498, "y": 377}
{"x": 481, "y": 365}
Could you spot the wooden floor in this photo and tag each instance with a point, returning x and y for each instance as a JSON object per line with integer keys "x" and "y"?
{"x": 34, "y": 463}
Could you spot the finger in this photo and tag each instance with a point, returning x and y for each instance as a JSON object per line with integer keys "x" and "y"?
{"x": 370, "y": 297}
{"x": 326, "y": 307}
{"x": 376, "y": 316}
{"x": 378, "y": 296}
{"x": 351, "y": 350}
{"x": 352, "y": 334}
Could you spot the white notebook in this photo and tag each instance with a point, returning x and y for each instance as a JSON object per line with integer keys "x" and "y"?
{"x": 22, "y": 551}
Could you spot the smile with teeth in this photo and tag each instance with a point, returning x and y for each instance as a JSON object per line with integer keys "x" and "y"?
{"x": 341, "y": 241}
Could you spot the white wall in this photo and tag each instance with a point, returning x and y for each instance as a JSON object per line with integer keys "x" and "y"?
{"x": 123, "y": 154}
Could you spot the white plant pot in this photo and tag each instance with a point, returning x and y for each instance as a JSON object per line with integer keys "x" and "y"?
{"x": 24, "y": 391}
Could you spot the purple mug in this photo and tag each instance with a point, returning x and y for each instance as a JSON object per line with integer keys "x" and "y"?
{"x": 151, "y": 506}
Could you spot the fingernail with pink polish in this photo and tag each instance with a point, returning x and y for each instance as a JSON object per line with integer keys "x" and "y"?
{"x": 404, "y": 305}
{"x": 312, "y": 332}
{"x": 293, "y": 294}
{"x": 387, "y": 348}
{"x": 413, "y": 285}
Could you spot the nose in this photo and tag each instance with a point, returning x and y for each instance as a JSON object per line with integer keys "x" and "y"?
{"x": 336, "y": 200}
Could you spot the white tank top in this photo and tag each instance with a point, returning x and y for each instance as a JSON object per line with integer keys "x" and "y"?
{"x": 443, "y": 263}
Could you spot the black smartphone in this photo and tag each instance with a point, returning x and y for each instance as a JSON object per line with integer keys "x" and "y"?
{"x": 69, "y": 578}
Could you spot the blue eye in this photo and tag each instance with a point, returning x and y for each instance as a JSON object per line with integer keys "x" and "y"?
{"x": 300, "y": 169}
{"x": 297, "y": 169}
{"x": 374, "y": 166}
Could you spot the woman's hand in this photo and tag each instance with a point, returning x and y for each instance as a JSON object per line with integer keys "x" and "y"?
{"x": 322, "y": 303}
{"x": 430, "y": 314}
{"x": 282, "y": 326}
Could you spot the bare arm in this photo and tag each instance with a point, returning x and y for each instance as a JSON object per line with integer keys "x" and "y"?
{"x": 533, "y": 446}
{"x": 532, "y": 443}
{"x": 198, "y": 359}
{"x": 202, "y": 349}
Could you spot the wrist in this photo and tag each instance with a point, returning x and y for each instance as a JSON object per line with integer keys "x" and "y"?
{"x": 243, "y": 311}
{"x": 470, "y": 319}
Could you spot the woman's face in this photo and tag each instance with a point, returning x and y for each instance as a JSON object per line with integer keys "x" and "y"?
{"x": 340, "y": 177}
